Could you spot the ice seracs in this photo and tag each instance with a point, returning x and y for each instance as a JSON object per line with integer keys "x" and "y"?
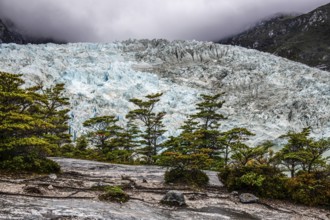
{"x": 264, "y": 93}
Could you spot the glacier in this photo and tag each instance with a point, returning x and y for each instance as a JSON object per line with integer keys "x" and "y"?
{"x": 267, "y": 94}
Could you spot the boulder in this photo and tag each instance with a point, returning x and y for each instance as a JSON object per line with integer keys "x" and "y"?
{"x": 52, "y": 176}
{"x": 174, "y": 198}
{"x": 248, "y": 198}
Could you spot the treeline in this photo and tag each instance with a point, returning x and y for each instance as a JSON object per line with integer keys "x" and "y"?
{"x": 34, "y": 125}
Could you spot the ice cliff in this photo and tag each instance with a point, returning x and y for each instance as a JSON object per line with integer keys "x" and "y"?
{"x": 264, "y": 93}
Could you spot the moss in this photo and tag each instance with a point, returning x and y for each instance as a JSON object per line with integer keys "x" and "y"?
{"x": 114, "y": 194}
{"x": 190, "y": 177}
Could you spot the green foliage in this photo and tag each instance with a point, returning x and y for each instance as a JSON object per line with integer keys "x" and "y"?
{"x": 81, "y": 143}
{"x": 190, "y": 177}
{"x": 263, "y": 180}
{"x": 27, "y": 135}
{"x": 198, "y": 160}
{"x": 114, "y": 194}
{"x": 232, "y": 141}
{"x": 152, "y": 121}
{"x": 244, "y": 155}
{"x": 29, "y": 163}
{"x": 252, "y": 179}
{"x": 128, "y": 137}
{"x": 55, "y": 110}
{"x": 310, "y": 189}
{"x": 302, "y": 152}
{"x": 207, "y": 111}
{"x": 103, "y": 129}
{"x": 119, "y": 156}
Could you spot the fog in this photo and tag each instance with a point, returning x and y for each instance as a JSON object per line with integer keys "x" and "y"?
{"x": 110, "y": 20}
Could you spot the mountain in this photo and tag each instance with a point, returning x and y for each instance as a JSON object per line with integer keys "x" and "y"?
{"x": 304, "y": 38}
{"x": 267, "y": 94}
{"x": 9, "y": 36}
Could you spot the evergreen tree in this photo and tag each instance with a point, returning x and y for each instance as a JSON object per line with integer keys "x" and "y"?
{"x": 22, "y": 128}
{"x": 302, "y": 152}
{"x": 289, "y": 155}
{"x": 199, "y": 139}
{"x": 152, "y": 121}
{"x": 207, "y": 112}
{"x": 232, "y": 139}
{"x": 82, "y": 143}
{"x": 21, "y": 125}
{"x": 54, "y": 107}
{"x": 103, "y": 128}
{"x": 313, "y": 155}
{"x": 209, "y": 119}
{"x": 242, "y": 154}
{"x": 128, "y": 137}
{"x": 186, "y": 142}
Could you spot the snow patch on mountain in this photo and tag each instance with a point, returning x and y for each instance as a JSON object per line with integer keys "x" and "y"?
{"x": 264, "y": 93}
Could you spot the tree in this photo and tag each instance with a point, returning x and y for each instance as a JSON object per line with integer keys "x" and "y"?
{"x": 199, "y": 139}
{"x": 22, "y": 127}
{"x": 103, "y": 128}
{"x": 313, "y": 155}
{"x": 302, "y": 152}
{"x": 232, "y": 139}
{"x": 187, "y": 141}
{"x": 82, "y": 143}
{"x": 243, "y": 154}
{"x": 128, "y": 137}
{"x": 55, "y": 111}
{"x": 208, "y": 117}
{"x": 19, "y": 117}
{"x": 152, "y": 121}
{"x": 207, "y": 111}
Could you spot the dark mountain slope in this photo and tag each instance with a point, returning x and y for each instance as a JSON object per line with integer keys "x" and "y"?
{"x": 304, "y": 38}
{"x": 9, "y": 36}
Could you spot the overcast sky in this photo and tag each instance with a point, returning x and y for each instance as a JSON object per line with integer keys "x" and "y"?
{"x": 109, "y": 20}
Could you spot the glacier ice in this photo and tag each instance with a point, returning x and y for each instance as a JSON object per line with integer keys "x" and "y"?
{"x": 264, "y": 93}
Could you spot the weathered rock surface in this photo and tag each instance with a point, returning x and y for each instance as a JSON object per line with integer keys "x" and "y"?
{"x": 174, "y": 198}
{"x": 73, "y": 197}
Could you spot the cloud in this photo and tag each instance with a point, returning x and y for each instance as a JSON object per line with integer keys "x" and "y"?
{"x": 109, "y": 20}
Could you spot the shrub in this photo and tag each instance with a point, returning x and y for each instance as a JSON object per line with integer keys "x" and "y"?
{"x": 30, "y": 164}
{"x": 114, "y": 194}
{"x": 191, "y": 177}
{"x": 263, "y": 180}
{"x": 309, "y": 189}
{"x": 118, "y": 156}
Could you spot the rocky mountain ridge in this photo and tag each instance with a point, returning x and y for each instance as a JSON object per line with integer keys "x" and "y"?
{"x": 304, "y": 38}
{"x": 267, "y": 94}
{"x": 10, "y": 34}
